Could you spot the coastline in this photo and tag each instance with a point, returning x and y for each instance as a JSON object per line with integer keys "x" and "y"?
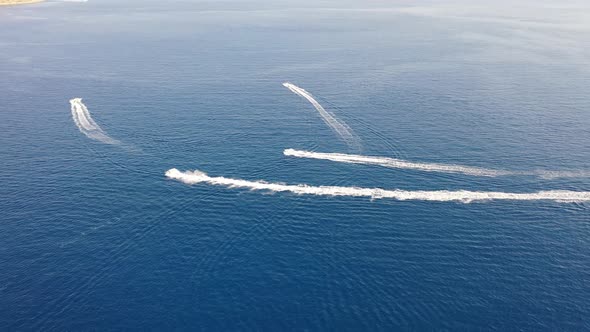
{"x": 18, "y": 2}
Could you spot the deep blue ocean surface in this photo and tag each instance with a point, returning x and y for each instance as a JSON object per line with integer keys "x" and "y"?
{"x": 94, "y": 237}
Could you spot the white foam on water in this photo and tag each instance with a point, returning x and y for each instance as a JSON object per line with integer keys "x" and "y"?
{"x": 396, "y": 163}
{"x": 430, "y": 167}
{"x": 339, "y": 127}
{"x": 86, "y": 124}
{"x": 195, "y": 177}
{"x": 550, "y": 175}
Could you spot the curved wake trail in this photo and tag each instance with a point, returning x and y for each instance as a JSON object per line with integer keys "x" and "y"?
{"x": 397, "y": 163}
{"x": 429, "y": 167}
{"x": 86, "y": 124}
{"x": 463, "y": 196}
{"x": 330, "y": 119}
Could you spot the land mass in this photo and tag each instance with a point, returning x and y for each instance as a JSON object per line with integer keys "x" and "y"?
{"x": 17, "y": 2}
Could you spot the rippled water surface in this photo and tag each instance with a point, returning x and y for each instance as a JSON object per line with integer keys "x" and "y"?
{"x": 94, "y": 236}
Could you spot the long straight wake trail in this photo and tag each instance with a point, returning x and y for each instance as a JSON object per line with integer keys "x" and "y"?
{"x": 396, "y": 163}
{"x": 86, "y": 124}
{"x": 195, "y": 177}
{"x": 339, "y": 127}
{"x": 429, "y": 167}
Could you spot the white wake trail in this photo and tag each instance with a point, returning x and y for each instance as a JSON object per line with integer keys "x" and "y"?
{"x": 430, "y": 167}
{"x": 396, "y": 163}
{"x": 194, "y": 177}
{"x": 550, "y": 175}
{"x": 86, "y": 124}
{"x": 330, "y": 119}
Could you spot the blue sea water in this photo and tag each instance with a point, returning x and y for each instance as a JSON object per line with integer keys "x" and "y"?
{"x": 95, "y": 237}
